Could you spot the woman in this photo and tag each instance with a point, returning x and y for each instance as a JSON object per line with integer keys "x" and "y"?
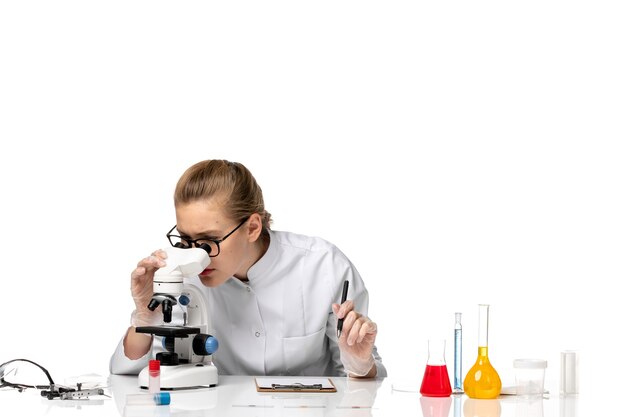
{"x": 270, "y": 294}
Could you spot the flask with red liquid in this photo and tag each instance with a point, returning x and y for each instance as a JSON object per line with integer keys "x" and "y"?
{"x": 436, "y": 382}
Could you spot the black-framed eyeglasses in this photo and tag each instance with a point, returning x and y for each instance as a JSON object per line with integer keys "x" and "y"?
{"x": 212, "y": 246}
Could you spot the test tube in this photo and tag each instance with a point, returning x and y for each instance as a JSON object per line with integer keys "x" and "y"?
{"x": 569, "y": 372}
{"x": 154, "y": 376}
{"x": 458, "y": 355}
{"x": 161, "y": 398}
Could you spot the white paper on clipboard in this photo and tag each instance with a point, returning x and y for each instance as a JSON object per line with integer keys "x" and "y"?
{"x": 270, "y": 384}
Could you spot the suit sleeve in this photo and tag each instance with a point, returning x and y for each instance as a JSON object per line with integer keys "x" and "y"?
{"x": 357, "y": 292}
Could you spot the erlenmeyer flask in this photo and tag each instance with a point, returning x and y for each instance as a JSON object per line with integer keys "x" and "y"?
{"x": 482, "y": 380}
{"x": 436, "y": 382}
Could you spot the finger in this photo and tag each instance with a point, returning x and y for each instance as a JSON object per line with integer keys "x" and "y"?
{"x": 353, "y": 334}
{"x": 335, "y": 308}
{"x": 345, "y": 308}
{"x": 349, "y": 323}
{"x": 138, "y": 272}
{"x": 144, "y": 261}
{"x": 368, "y": 328}
{"x": 350, "y": 318}
{"x": 160, "y": 253}
{"x": 152, "y": 261}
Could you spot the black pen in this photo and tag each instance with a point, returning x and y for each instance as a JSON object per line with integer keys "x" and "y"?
{"x": 344, "y": 295}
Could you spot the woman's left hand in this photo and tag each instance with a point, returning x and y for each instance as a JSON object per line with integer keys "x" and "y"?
{"x": 356, "y": 342}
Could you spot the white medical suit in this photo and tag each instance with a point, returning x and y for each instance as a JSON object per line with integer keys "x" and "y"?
{"x": 280, "y": 322}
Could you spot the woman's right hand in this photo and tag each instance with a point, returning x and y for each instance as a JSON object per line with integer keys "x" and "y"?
{"x": 141, "y": 288}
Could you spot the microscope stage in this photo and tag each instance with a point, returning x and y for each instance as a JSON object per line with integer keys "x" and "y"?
{"x": 174, "y": 331}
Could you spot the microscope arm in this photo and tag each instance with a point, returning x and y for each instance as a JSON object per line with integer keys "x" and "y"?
{"x": 197, "y": 311}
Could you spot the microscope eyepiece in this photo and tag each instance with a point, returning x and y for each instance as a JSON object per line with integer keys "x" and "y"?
{"x": 206, "y": 247}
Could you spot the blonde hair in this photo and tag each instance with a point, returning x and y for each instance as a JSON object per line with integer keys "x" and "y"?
{"x": 229, "y": 180}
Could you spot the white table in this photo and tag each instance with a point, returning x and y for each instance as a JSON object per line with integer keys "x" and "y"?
{"x": 237, "y": 396}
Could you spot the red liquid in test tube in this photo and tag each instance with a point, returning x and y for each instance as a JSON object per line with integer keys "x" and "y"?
{"x": 154, "y": 376}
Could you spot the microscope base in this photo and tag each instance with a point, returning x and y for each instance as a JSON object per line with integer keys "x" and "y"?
{"x": 191, "y": 375}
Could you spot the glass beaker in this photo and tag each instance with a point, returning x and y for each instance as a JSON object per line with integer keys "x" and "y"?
{"x": 436, "y": 382}
{"x": 482, "y": 380}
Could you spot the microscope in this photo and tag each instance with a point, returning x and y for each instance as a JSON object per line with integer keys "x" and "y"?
{"x": 186, "y": 361}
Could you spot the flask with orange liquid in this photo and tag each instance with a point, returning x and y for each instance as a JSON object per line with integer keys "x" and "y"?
{"x": 482, "y": 380}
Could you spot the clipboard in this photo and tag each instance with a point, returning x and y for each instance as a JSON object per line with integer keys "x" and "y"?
{"x": 291, "y": 384}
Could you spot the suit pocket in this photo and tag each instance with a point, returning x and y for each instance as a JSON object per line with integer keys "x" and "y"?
{"x": 303, "y": 351}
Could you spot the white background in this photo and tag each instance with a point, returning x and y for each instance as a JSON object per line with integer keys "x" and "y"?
{"x": 463, "y": 153}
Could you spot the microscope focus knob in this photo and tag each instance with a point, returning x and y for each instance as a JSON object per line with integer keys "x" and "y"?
{"x": 183, "y": 300}
{"x": 204, "y": 344}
